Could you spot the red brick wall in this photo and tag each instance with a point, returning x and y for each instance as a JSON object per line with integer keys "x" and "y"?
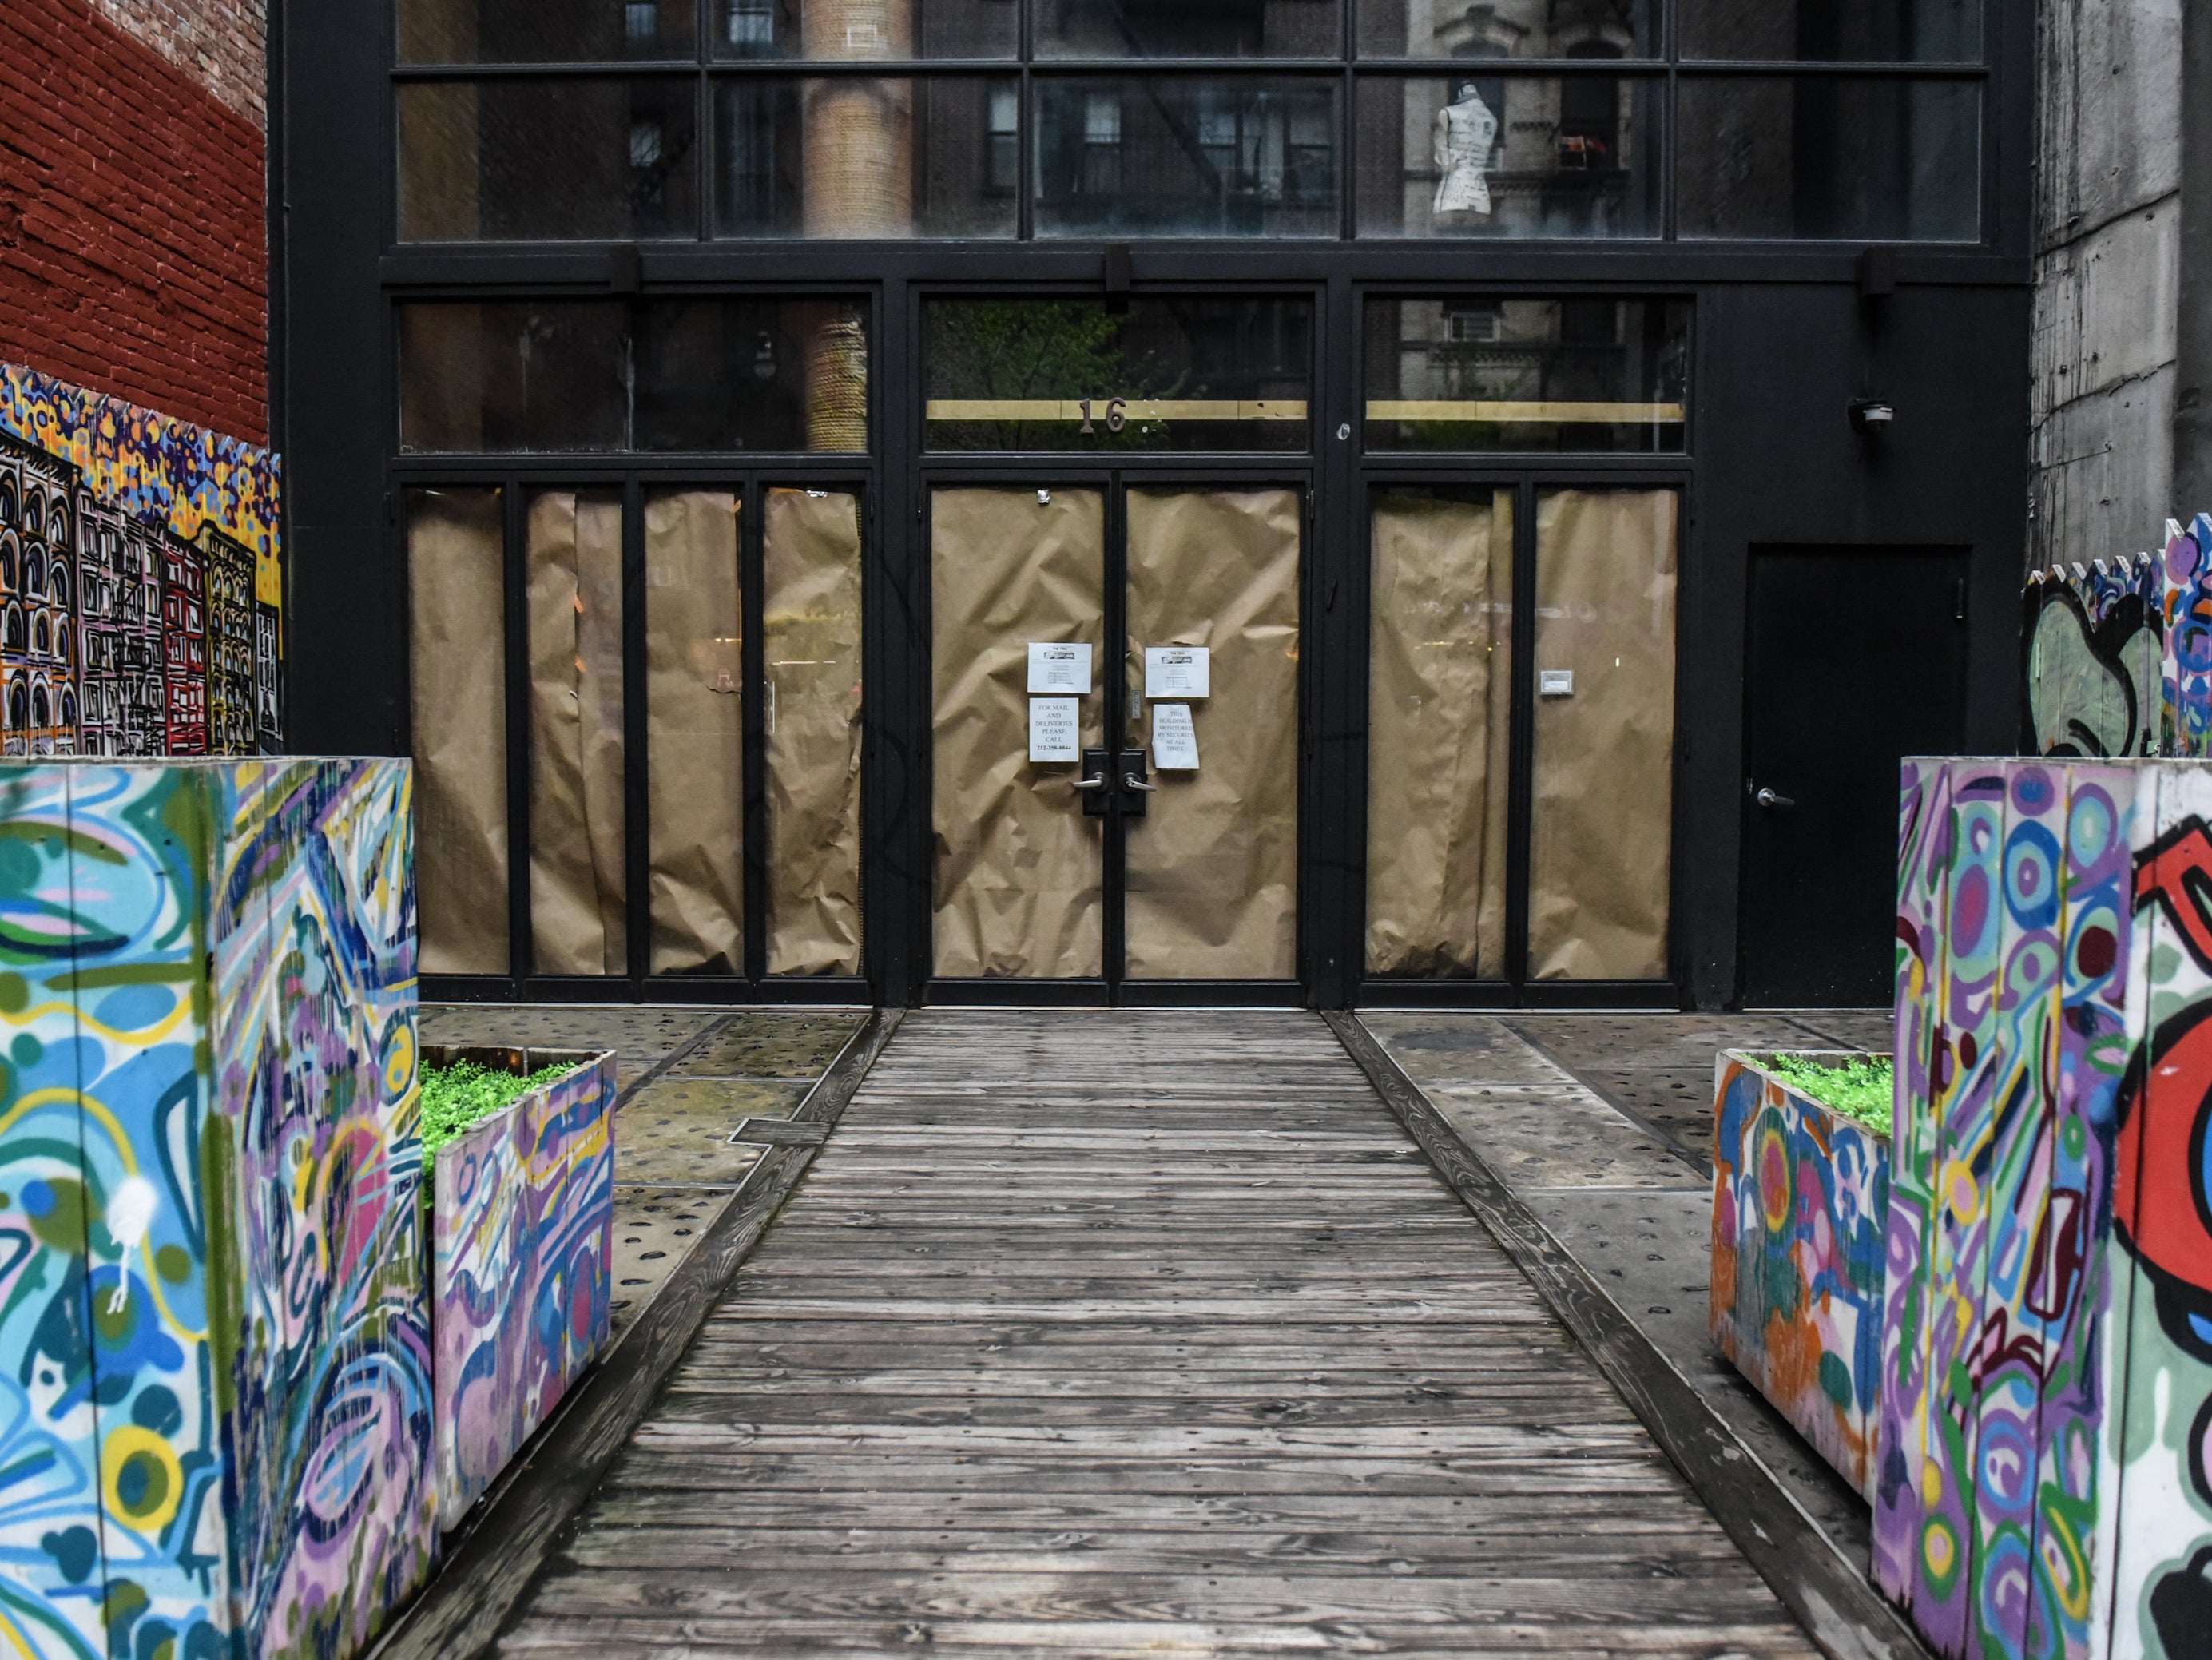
{"x": 133, "y": 241}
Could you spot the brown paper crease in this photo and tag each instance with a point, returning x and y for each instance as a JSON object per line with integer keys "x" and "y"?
{"x": 1213, "y": 868}
{"x": 1439, "y": 702}
{"x": 572, "y": 553}
{"x": 1602, "y": 817}
{"x": 1017, "y": 862}
{"x": 810, "y": 633}
{"x": 456, "y": 593}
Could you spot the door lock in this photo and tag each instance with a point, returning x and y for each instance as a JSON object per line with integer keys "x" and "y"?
{"x": 1096, "y": 785}
{"x": 1773, "y": 802}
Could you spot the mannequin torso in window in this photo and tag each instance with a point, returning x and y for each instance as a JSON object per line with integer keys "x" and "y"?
{"x": 1459, "y": 142}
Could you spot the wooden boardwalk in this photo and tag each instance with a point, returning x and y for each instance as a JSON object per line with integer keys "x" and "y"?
{"x": 1140, "y": 1333}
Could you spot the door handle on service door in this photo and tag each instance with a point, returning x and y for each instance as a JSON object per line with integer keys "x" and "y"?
{"x": 1773, "y": 801}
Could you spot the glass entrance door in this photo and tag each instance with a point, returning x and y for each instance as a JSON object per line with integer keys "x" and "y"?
{"x": 1123, "y": 814}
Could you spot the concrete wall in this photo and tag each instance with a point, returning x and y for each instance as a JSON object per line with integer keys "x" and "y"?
{"x": 134, "y": 246}
{"x": 2109, "y": 237}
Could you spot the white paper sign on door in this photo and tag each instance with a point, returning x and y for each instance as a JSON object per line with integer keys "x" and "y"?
{"x": 1054, "y": 734}
{"x": 1061, "y": 668}
{"x": 1177, "y": 672}
{"x": 1175, "y": 739}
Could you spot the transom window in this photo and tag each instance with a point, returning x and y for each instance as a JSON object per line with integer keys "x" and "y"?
{"x": 594, "y": 120}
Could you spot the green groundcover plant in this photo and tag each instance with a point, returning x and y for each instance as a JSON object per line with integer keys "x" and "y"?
{"x": 456, "y": 1097}
{"x": 1859, "y": 1089}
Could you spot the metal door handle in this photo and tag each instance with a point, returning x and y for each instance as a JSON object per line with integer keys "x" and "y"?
{"x": 1768, "y": 798}
{"x": 1137, "y": 783}
{"x": 1087, "y": 783}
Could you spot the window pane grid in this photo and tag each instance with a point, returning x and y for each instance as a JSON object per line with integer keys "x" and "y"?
{"x": 1309, "y": 119}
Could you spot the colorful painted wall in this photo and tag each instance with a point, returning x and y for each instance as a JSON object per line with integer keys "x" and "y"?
{"x": 215, "y": 1363}
{"x": 142, "y": 586}
{"x": 1801, "y": 1197}
{"x": 2045, "y": 1478}
{"x": 523, "y": 1235}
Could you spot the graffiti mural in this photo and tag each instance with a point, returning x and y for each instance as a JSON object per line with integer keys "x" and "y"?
{"x": 523, "y": 1234}
{"x": 141, "y": 582}
{"x": 2094, "y": 660}
{"x": 1800, "y": 1195}
{"x": 2043, "y": 1413}
{"x": 214, "y": 1356}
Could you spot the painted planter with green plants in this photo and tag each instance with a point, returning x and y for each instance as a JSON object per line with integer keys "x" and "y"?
{"x": 1800, "y": 1217}
{"x": 521, "y": 1230}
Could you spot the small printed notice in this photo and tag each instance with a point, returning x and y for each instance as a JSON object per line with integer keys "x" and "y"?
{"x": 1054, "y": 731}
{"x": 1555, "y": 683}
{"x": 1175, "y": 739}
{"x": 1061, "y": 668}
{"x": 1177, "y": 672}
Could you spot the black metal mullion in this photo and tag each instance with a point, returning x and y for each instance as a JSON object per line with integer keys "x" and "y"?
{"x": 520, "y": 947}
{"x": 753, "y": 652}
{"x": 637, "y": 831}
{"x": 1113, "y": 889}
{"x": 1334, "y": 627}
{"x": 1521, "y": 744}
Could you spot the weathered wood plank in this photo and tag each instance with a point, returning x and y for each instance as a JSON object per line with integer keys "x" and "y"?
{"x": 1105, "y": 1334}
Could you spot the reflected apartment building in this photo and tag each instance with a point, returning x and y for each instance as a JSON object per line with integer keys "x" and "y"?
{"x": 730, "y": 393}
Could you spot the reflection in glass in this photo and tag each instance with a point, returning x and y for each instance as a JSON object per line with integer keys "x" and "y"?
{"x": 751, "y": 375}
{"x": 1193, "y": 28}
{"x": 512, "y": 374}
{"x": 890, "y": 30}
{"x": 1188, "y": 374}
{"x": 1498, "y": 372}
{"x": 695, "y": 731}
{"x": 542, "y": 31}
{"x": 854, "y": 156}
{"x": 1439, "y": 735}
{"x": 1602, "y": 815}
{"x": 1509, "y": 28}
{"x": 1834, "y": 31}
{"x": 1508, "y": 155}
{"x": 1186, "y": 156}
{"x": 476, "y": 157}
{"x": 1821, "y": 157}
{"x": 456, "y": 593}
{"x": 705, "y": 374}
{"x": 811, "y": 640}
{"x": 571, "y": 552}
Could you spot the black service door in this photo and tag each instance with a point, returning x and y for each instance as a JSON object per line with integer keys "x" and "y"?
{"x": 1857, "y": 659}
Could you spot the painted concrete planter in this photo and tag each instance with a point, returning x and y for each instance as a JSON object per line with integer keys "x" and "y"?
{"x": 1801, "y": 1203}
{"x": 522, "y": 1233}
{"x": 2044, "y": 1484}
{"x": 215, "y": 1362}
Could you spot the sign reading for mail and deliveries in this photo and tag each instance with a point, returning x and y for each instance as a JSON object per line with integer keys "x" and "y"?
{"x": 1177, "y": 672}
{"x": 1061, "y": 668}
{"x": 1055, "y": 732}
{"x": 1174, "y": 740}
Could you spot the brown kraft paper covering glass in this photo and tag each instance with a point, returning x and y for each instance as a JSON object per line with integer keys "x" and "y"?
{"x": 1439, "y": 701}
{"x": 1602, "y": 817}
{"x": 811, "y": 630}
{"x": 456, "y": 590}
{"x": 695, "y": 731}
{"x": 1213, "y": 868}
{"x": 573, "y": 546}
{"x": 1017, "y": 862}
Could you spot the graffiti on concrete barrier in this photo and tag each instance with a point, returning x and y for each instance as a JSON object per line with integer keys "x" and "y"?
{"x": 2046, "y": 1357}
{"x": 214, "y": 1355}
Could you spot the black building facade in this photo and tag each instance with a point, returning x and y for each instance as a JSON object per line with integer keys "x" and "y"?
{"x": 1542, "y": 460}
